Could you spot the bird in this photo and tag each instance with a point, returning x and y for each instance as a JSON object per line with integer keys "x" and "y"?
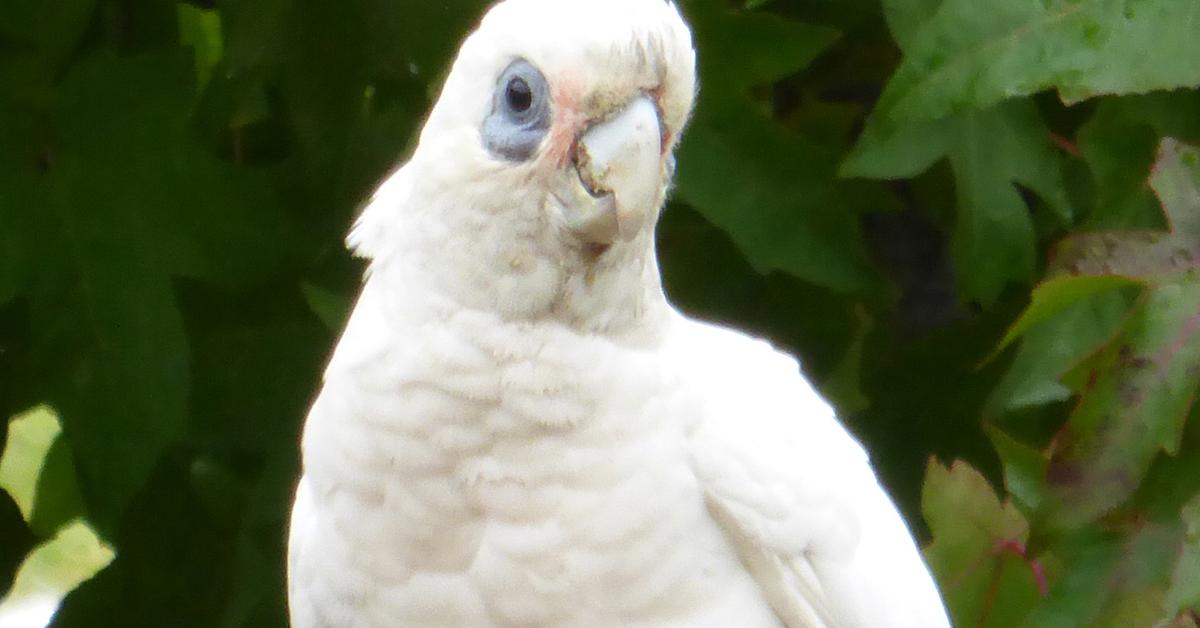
{"x": 516, "y": 428}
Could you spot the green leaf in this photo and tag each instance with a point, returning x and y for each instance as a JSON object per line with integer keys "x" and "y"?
{"x": 993, "y": 238}
{"x": 201, "y": 30}
{"x": 103, "y": 309}
{"x": 19, "y": 156}
{"x": 772, "y": 191}
{"x": 1078, "y": 596}
{"x": 1138, "y": 582}
{"x": 18, "y": 540}
{"x": 1053, "y": 296}
{"x": 990, "y": 148}
{"x": 329, "y": 306}
{"x": 123, "y": 391}
{"x": 52, "y": 569}
{"x": 229, "y": 415}
{"x": 201, "y": 217}
{"x": 1109, "y": 580}
{"x": 989, "y": 151}
{"x": 887, "y": 150}
{"x": 30, "y": 437}
{"x": 773, "y": 194}
{"x": 1146, "y": 256}
{"x": 1139, "y": 392}
{"x": 978, "y": 551}
{"x": 1053, "y": 345}
{"x": 963, "y": 58}
{"x": 1185, "y": 581}
{"x": 1024, "y": 468}
{"x": 1119, "y": 147}
{"x": 51, "y": 29}
{"x": 843, "y": 386}
{"x": 750, "y": 49}
{"x": 258, "y": 578}
{"x": 905, "y": 18}
{"x": 354, "y": 79}
{"x": 1120, "y": 143}
{"x": 38, "y": 470}
{"x": 246, "y": 408}
{"x": 58, "y": 498}
{"x": 128, "y": 203}
{"x": 1172, "y": 480}
{"x": 172, "y": 565}
{"x": 1176, "y": 180}
{"x": 259, "y": 550}
{"x": 13, "y": 264}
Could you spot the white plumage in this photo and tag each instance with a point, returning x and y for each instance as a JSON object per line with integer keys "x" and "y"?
{"x": 516, "y": 429}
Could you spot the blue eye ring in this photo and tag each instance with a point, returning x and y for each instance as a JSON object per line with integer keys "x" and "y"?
{"x": 520, "y": 115}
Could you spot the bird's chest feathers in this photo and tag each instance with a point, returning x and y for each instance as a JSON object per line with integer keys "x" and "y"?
{"x": 513, "y": 453}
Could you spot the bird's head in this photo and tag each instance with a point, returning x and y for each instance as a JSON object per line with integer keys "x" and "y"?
{"x": 541, "y": 170}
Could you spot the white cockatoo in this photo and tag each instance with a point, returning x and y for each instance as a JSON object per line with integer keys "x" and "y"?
{"x": 516, "y": 427}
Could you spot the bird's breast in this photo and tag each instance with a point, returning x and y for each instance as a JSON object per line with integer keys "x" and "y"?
{"x": 480, "y": 473}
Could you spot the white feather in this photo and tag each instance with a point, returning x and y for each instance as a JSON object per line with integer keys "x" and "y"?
{"x": 796, "y": 493}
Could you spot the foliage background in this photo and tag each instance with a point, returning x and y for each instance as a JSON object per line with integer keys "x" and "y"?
{"x": 962, "y": 215}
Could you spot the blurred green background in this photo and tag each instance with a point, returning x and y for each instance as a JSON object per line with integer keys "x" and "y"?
{"x": 977, "y": 223}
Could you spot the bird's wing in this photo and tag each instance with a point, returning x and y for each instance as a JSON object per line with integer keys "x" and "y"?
{"x": 796, "y": 495}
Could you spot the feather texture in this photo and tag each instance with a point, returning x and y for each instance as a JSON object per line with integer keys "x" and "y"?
{"x": 796, "y": 494}
{"x": 473, "y": 472}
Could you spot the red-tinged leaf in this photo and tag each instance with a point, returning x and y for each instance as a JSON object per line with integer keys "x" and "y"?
{"x": 978, "y": 552}
{"x": 1143, "y": 256}
{"x": 1137, "y": 396}
{"x": 1086, "y": 267}
{"x": 1146, "y": 256}
{"x": 1176, "y": 180}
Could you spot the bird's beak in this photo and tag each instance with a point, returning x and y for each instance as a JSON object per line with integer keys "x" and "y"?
{"x": 619, "y": 162}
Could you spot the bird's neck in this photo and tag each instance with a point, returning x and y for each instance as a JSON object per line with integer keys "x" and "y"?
{"x": 617, "y": 294}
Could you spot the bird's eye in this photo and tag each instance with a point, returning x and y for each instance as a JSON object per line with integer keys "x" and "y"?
{"x": 520, "y": 115}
